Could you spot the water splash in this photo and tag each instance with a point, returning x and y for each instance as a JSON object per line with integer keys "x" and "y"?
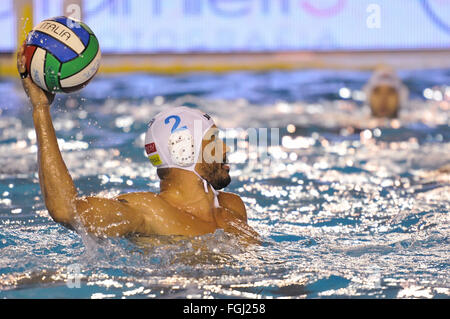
{"x": 346, "y": 206}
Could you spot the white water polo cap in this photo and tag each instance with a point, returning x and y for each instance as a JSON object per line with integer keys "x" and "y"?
{"x": 387, "y": 76}
{"x": 174, "y": 139}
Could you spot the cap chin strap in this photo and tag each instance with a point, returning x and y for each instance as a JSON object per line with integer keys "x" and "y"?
{"x": 205, "y": 186}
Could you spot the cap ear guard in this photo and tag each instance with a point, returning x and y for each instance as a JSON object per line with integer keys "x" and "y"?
{"x": 181, "y": 148}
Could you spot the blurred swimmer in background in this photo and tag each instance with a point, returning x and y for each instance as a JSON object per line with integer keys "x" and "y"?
{"x": 385, "y": 93}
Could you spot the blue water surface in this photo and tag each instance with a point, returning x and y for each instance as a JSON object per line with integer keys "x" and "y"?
{"x": 347, "y": 206}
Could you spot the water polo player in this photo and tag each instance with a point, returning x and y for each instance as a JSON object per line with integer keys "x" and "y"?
{"x": 385, "y": 93}
{"x": 182, "y": 143}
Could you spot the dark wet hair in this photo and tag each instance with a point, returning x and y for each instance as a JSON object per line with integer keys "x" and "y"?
{"x": 162, "y": 172}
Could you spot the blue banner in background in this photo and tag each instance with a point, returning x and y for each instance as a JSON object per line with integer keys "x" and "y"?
{"x": 152, "y": 26}
{"x": 8, "y": 26}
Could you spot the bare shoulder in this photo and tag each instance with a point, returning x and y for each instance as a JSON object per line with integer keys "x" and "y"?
{"x": 142, "y": 200}
{"x": 131, "y": 197}
{"x": 162, "y": 218}
{"x": 233, "y": 202}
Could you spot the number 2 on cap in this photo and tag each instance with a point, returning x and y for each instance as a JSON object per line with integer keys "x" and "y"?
{"x": 175, "y": 125}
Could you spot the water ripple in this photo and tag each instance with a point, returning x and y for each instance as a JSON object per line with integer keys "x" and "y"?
{"x": 347, "y": 206}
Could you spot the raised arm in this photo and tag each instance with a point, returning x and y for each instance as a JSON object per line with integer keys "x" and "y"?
{"x": 56, "y": 183}
{"x": 100, "y": 216}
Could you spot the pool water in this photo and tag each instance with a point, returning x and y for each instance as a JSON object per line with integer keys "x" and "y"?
{"x": 347, "y": 206}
